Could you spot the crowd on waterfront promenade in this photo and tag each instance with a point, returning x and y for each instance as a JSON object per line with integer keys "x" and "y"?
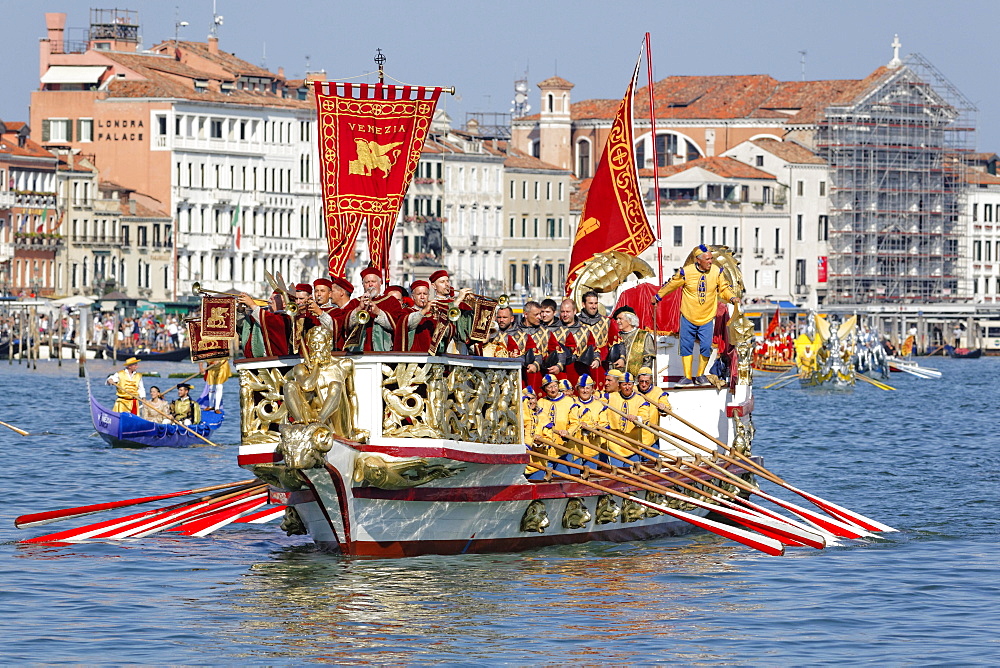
{"x": 153, "y": 332}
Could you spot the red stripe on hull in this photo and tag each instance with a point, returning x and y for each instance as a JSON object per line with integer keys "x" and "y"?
{"x": 259, "y": 458}
{"x": 524, "y": 492}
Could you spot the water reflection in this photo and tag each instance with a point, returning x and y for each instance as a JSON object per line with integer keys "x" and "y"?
{"x": 613, "y": 602}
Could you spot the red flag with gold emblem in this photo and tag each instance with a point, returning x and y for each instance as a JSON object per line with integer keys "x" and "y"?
{"x": 370, "y": 139}
{"x": 614, "y": 217}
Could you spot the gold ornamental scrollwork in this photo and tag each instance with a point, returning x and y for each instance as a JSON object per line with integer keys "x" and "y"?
{"x": 607, "y": 510}
{"x": 262, "y": 407}
{"x": 632, "y": 511}
{"x": 371, "y": 470}
{"x": 456, "y": 403}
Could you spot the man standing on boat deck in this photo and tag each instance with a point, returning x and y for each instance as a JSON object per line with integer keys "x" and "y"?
{"x": 377, "y": 333}
{"x": 636, "y": 347}
{"x": 703, "y": 283}
{"x": 601, "y": 333}
{"x": 341, "y": 306}
{"x": 129, "y": 386}
{"x": 185, "y": 409}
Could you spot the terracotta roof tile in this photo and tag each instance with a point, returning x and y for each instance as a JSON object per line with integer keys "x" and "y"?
{"x": 789, "y": 151}
{"x": 976, "y": 177}
{"x": 520, "y": 160}
{"x": 9, "y": 145}
{"x": 555, "y": 82}
{"x": 729, "y": 168}
{"x": 578, "y": 194}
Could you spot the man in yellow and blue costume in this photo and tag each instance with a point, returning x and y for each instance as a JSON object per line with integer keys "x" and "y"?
{"x": 703, "y": 284}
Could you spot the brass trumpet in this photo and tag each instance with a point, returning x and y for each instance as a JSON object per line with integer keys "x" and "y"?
{"x": 503, "y": 301}
{"x": 454, "y": 313}
{"x": 196, "y": 286}
{"x": 364, "y": 317}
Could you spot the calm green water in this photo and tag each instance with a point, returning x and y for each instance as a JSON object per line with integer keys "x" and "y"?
{"x": 923, "y": 459}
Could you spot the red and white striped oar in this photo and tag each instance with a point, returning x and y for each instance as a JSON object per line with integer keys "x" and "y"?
{"x": 164, "y": 521}
{"x": 845, "y": 514}
{"x": 205, "y": 525}
{"x": 111, "y": 526}
{"x": 38, "y": 519}
{"x": 262, "y": 516}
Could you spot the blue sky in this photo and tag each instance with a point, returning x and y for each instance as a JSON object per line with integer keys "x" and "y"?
{"x": 482, "y": 47}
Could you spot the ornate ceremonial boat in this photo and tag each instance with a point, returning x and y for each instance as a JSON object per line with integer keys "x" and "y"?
{"x": 125, "y": 430}
{"x": 437, "y": 460}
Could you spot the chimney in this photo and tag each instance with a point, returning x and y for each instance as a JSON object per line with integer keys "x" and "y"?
{"x": 281, "y": 72}
{"x": 213, "y": 45}
{"x": 55, "y": 23}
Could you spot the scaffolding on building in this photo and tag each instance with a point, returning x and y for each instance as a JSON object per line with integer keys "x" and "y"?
{"x": 897, "y": 174}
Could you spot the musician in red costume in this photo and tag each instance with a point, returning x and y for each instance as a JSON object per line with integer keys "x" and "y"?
{"x": 418, "y": 328}
{"x": 267, "y": 331}
{"x": 375, "y": 334}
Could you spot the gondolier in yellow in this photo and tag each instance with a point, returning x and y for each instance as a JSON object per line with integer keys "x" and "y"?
{"x": 593, "y": 413}
{"x": 128, "y": 383}
{"x": 703, "y": 284}
{"x": 638, "y": 412}
{"x": 558, "y": 417}
{"x": 656, "y": 396}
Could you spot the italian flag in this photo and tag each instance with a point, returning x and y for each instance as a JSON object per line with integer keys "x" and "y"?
{"x": 236, "y": 226}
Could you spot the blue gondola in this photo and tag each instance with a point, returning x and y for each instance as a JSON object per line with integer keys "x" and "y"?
{"x": 125, "y": 430}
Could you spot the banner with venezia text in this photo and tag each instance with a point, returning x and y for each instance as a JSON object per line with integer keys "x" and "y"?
{"x": 614, "y": 217}
{"x": 370, "y": 139}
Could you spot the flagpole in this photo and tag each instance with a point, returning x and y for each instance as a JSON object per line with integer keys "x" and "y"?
{"x": 656, "y": 179}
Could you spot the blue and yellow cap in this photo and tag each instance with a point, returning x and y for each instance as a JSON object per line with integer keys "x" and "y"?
{"x": 549, "y": 378}
{"x": 585, "y": 381}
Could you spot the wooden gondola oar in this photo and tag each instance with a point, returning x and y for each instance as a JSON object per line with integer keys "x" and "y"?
{"x": 777, "y": 529}
{"x": 196, "y": 373}
{"x": 734, "y": 498}
{"x": 748, "y": 538}
{"x": 783, "y": 377}
{"x": 879, "y": 385}
{"x": 829, "y": 507}
{"x": 38, "y": 519}
{"x": 812, "y": 536}
{"x": 13, "y": 428}
{"x": 175, "y": 421}
{"x": 112, "y": 526}
{"x": 187, "y": 516}
{"x": 832, "y": 524}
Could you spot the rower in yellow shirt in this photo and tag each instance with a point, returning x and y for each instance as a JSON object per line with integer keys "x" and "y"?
{"x": 638, "y": 412}
{"x": 656, "y": 396}
{"x": 594, "y": 413}
{"x": 703, "y": 284}
{"x": 559, "y": 416}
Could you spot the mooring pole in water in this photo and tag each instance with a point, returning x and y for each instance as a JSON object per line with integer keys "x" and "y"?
{"x": 82, "y": 341}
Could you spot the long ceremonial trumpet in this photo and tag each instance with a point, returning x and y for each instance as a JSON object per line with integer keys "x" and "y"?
{"x": 196, "y": 287}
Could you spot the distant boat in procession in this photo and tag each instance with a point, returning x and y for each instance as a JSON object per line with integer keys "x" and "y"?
{"x": 147, "y": 355}
{"x": 963, "y": 353}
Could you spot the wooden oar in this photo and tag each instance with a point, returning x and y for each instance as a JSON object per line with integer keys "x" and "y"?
{"x": 881, "y": 386}
{"x": 814, "y": 532}
{"x": 108, "y": 526}
{"x": 196, "y": 373}
{"x": 13, "y": 428}
{"x": 176, "y": 519}
{"x": 38, "y": 519}
{"x": 782, "y": 382}
{"x": 175, "y": 421}
{"x": 748, "y": 538}
{"x": 624, "y": 441}
{"x": 828, "y": 506}
{"x": 782, "y": 377}
{"x": 777, "y": 529}
{"x": 834, "y": 524}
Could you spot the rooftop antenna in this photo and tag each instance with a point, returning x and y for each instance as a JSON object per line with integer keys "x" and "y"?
{"x": 263, "y": 57}
{"x": 178, "y": 24}
{"x": 380, "y": 61}
{"x": 802, "y": 61}
{"x": 216, "y": 22}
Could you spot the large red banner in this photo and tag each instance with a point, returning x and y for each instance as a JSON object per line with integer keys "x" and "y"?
{"x": 614, "y": 217}
{"x": 370, "y": 139}
{"x": 821, "y": 269}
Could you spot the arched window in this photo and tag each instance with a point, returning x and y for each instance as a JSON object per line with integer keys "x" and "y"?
{"x": 583, "y": 159}
{"x": 550, "y": 102}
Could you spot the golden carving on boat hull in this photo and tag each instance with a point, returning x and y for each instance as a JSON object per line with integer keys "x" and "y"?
{"x": 632, "y": 511}
{"x": 371, "y": 470}
{"x": 576, "y": 515}
{"x": 455, "y": 403}
{"x": 607, "y": 510}
{"x": 654, "y": 497}
{"x": 277, "y": 475}
{"x": 293, "y": 525}
{"x": 321, "y": 388}
{"x": 743, "y": 435}
{"x": 262, "y": 406}
{"x": 304, "y": 446}
{"x": 535, "y": 518}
